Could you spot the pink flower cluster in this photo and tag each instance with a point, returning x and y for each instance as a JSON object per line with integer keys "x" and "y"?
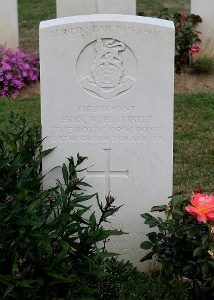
{"x": 17, "y": 69}
{"x": 202, "y": 207}
{"x": 194, "y": 49}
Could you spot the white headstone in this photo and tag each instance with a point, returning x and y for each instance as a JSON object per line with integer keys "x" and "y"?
{"x": 9, "y": 35}
{"x": 205, "y": 9}
{"x": 107, "y": 93}
{"x": 66, "y": 8}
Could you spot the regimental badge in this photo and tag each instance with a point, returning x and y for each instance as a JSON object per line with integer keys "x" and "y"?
{"x": 108, "y": 77}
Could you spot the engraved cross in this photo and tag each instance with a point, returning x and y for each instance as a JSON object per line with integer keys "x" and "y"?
{"x": 108, "y": 173}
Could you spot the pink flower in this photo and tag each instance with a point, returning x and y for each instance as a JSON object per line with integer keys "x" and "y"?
{"x": 184, "y": 16}
{"x": 17, "y": 69}
{"x": 202, "y": 207}
{"x": 194, "y": 49}
{"x": 178, "y": 26}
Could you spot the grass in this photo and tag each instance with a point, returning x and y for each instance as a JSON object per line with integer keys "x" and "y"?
{"x": 153, "y": 7}
{"x": 193, "y": 137}
{"x": 30, "y": 107}
{"x": 31, "y": 13}
{"x": 193, "y": 146}
{"x": 125, "y": 283}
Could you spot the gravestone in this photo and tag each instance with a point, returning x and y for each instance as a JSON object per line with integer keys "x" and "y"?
{"x": 67, "y": 8}
{"x": 205, "y": 9}
{"x": 107, "y": 93}
{"x": 9, "y": 23}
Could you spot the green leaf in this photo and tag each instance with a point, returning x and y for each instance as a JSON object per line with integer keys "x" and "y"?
{"x": 211, "y": 263}
{"x": 84, "y": 184}
{"x": 150, "y": 220}
{"x": 26, "y": 283}
{"x": 205, "y": 239}
{"x": 187, "y": 268}
{"x": 177, "y": 200}
{"x": 92, "y": 220}
{"x": 159, "y": 208}
{"x": 83, "y": 198}
{"x": 168, "y": 266}
{"x": 205, "y": 267}
{"x": 197, "y": 251}
{"x": 146, "y": 245}
{"x": 111, "y": 211}
{"x": 15, "y": 268}
{"x": 26, "y": 173}
{"x": 34, "y": 205}
{"x": 80, "y": 159}
{"x": 153, "y": 237}
{"x": 66, "y": 246}
{"x": 46, "y": 152}
{"x": 8, "y": 290}
{"x": 65, "y": 173}
{"x": 146, "y": 216}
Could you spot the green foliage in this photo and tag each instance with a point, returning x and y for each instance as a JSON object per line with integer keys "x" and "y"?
{"x": 182, "y": 245}
{"x": 153, "y": 285}
{"x": 186, "y": 37}
{"x": 119, "y": 274}
{"x": 204, "y": 65}
{"x": 48, "y": 239}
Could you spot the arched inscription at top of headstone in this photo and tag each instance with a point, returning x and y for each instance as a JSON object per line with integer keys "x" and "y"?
{"x": 107, "y": 75}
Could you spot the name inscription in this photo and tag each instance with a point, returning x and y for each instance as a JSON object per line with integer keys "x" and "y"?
{"x": 91, "y": 124}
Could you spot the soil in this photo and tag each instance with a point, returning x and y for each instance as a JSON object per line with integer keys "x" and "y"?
{"x": 192, "y": 83}
{"x": 184, "y": 83}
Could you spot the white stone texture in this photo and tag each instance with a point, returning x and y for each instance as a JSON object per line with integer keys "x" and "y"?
{"x": 107, "y": 93}
{"x": 9, "y": 33}
{"x": 205, "y": 9}
{"x": 66, "y": 8}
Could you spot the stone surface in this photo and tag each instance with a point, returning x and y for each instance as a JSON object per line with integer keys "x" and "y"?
{"x": 205, "y": 9}
{"x": 67, "y": 8}
{"x": 107, "y": 92}
{"x": 9, "y": 23}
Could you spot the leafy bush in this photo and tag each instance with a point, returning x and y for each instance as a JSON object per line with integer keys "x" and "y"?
{"x": 17, "y": 69}
{"x": 184, "y": 243}
{"x": 186, "y": 37}
{"x": 48, "y": 239}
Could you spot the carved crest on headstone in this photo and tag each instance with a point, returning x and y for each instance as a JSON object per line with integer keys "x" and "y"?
{"x": 108, "y": 77}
